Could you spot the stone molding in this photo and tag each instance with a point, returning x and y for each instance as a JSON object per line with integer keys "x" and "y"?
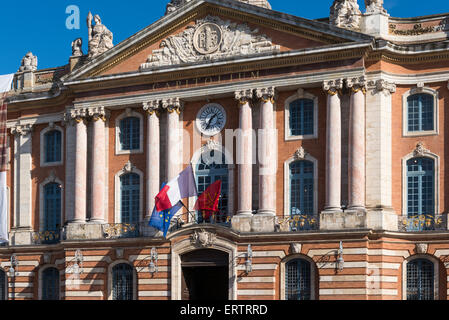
{"x": 203, "y": 238}
{"x": 300, "y": 154}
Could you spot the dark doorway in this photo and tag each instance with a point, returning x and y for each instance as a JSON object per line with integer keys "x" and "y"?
{"x": 205, "y": 275}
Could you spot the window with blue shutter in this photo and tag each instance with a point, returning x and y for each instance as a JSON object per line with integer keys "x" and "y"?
{"x": 3, "y": 287}
{"x": 122, "y": 282}
{"x": 50, "y": 284}
{"x": 298, "y": 280}
{"x": 130, "y": 133}
{"x": 420, "y": 108}
{"x": 52, "y": 146}
{"x": 52, "y": 211}
{"x": 420, "y": 280}
{"x": 420, "y": 187}
{"x": 301, "y": 117}
{"x": 130, "y": 198}
{"x": 301, "y": 188}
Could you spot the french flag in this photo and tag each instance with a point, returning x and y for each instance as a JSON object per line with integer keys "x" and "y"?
{"x": 183, "y": 186}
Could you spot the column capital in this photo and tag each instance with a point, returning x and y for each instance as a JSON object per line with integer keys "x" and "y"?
{"x": 382, "y": 86}
{"x": 22, "y": 129}
{"x": 152, "y": 107}
{"x": 266, "y": 94}
{"x": 172, "y": 105}
{"x": 98, "y": 113}
{"x": 243, "y": 96}
{"x": 333, "y": 87}
{"x": 76, "y": 114}
{"x": 356, "y": 84}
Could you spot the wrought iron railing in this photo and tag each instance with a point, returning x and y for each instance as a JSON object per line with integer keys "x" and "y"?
{"x": 221, "y": 219}
{"x": 121, "y": 230}
{"x": 298, "y": 222}
{"x": 423, "y": 222}
{"x": 48, "y": 236}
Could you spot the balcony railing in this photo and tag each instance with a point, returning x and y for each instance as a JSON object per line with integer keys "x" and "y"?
{"x": 298, "y": 223}
{"x": 424, "y": 222}
{"x": 221, "y": 219}
{"x": 48, "y": 236}
{"x": 121, "y": 230}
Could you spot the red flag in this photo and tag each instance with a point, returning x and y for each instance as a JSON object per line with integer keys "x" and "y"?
{"x": 208, "y": 201}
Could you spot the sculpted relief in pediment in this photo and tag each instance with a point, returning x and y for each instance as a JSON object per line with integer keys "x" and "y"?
{"x": 210, "y": 39}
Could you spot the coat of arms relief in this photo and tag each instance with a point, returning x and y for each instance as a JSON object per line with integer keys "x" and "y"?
{"x": 210, "y": 39}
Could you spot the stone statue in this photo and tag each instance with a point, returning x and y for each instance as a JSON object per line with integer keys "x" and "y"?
{"x": 375, "y": 6}
{"x": 77, "y": 50}
{"x": 29, "y": 63}
{"x": 345, "y": 14}
{"x": 173, "y": 5}
{"x": 100, "y": 38}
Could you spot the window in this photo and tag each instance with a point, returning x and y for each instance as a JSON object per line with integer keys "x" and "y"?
{"x": 208, "y": 172}
{"x": 301, "y": 188}
{"x": 122, "y": 282}
{"x": 420, "y": 112}
{"x": 302, "y": 117}
{"x": 130, "y": 198}
{"x": 130, "y": 133}
{"x": 420, "y": 187}
{"x": 52, "y": 210}
{"x": 52, "y": 146}
{"x": 3, "y": 286}
{"x": 50, "y": 284}
{"x": 298, "y": 280}
{"x": 420, "y": 280}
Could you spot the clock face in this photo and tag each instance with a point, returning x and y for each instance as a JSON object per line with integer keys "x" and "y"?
{"x": 211, "y": 119}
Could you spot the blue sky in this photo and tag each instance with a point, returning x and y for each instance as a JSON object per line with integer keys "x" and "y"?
{"x": 39, "y": 26}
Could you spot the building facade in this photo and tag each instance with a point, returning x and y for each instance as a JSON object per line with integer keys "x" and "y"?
{"x": 328, "y": 136}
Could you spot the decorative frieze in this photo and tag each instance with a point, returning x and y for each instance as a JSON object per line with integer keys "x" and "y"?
{"x": 266, "y": 94}
{"x": 333, "y": 87}
{"x": 421, "y": 248}
{"x": 203, "y": 238}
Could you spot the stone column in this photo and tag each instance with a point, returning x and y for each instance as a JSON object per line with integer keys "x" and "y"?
{"x": 174, "y": 139}
{"x": 356, "y": 166}
{"x": 153, "y": 154}
{"x": 245, "y": 153}
{"x": 21, "y": 235}
{"x": 69, "y": 185}
{"x": 98, "y": 116}
{"x": 333, "y": 145}
{"x": 267, "y": 152}
{"x": 79, "y": 115}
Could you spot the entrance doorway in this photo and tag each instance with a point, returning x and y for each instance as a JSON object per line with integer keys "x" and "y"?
{"x": 205, "y": 275}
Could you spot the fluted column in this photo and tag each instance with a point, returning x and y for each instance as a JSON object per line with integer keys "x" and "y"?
{"x": 174, "y": 160}
{"x": 333, "y": 145}
{"x": 98, "y": 116}
{"x": 267, "y": 152}
{"x": 356, "y": 165}
{"x": 153, "y": 154}
{"x": 79, "y": 115}
{"x": 245, "y": 153}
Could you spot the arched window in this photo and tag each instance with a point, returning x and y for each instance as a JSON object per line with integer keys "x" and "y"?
{"x": 420, "y": 110}
{"x": 130, "y": 198}
{"x": 301, "y": 188}
{"x": 297, "y": 280}
{"x": 130, "y": 133}
{"x": 301, "y": 117}
{"x": 50, "y": 284}
{"x": 122, "y": 282}
{"x": 52, "y": 210}
{"x": 212, "y": 167}
{"x": 52, "y": 146}
{"x": 420, "y": 187}
{"x": 3, "y": 286}
{"x": 420, "y": 280}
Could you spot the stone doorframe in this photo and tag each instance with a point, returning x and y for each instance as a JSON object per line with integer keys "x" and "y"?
{"x": 188, "y": 245}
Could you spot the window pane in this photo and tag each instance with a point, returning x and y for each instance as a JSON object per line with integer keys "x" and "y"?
{"x": 301, "y": 117}
{"x": 130, "y": 198}
{"x": 122, "y": 282}
{"x": 301, "y": 188}
{"x": 130, "y": 133}
{"x": 420, "y": 187}
{"x": 420, "y": 280}
{"x": 50, "y": 284}
{"x": 52, "y": 207}
{"x": 52, "y": 146}
{"x": 297, "y": 280}
{"x": 420, "y": 112}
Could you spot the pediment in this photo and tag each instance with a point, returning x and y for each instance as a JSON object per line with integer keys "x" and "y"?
{"x": 207, "y": 31}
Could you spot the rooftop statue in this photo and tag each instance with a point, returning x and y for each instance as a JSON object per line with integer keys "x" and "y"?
{"x": 100, "y": 38}
{"x": 375, "y": 6}
{"x": 29, "y": 63}
{"x": 345, "y": 14}
{"x": 77, "y": 50}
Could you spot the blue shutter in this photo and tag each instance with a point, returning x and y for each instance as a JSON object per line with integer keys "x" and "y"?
{"x": 52, "y": 146}
{"x": 301, "y": 188}
{"x": 122, "y": 282}
{"x": 3, "y": 288}
{"x": 130, "y": 198}
{"x": 50, "y": 284}
{"x": 420, "y": 280}
{"x": 420, "y": 187}
{"x": 297, "y": 280}
{"x": 301, "y": 117}
{"x": 206, "y": 174}
{"x": 130, "y": 133}
{"x": 420, "y": 112}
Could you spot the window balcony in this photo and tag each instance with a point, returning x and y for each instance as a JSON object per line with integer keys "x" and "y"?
{"x": 299, "y": 223}
{"x": 48, "y": 236}
{"x": 423, "y": 222}
{"x": 121, "y": 230}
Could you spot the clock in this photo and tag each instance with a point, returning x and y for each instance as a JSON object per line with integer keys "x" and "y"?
{"x": 211, "y": 119}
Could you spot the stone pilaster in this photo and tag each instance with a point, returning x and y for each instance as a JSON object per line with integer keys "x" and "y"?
{"x": 22, "y": 228}
{"x": 174, "y": 138}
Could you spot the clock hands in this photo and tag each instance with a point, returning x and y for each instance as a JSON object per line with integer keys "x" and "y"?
{"x": 210, "y": 121}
